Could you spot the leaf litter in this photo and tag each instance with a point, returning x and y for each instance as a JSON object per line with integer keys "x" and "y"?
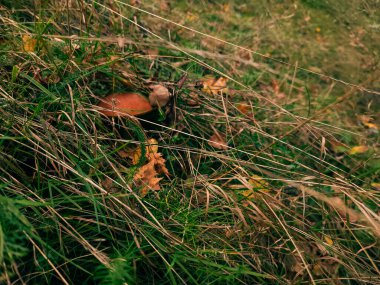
{"x": 146, "y": 178}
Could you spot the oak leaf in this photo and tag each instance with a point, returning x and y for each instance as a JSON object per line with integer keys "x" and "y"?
{"x": 147, "y": 175}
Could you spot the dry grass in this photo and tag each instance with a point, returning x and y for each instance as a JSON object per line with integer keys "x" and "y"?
{"x": 70, "y": 211}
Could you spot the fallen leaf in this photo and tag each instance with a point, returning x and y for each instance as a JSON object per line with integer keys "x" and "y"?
{"x": 244, "y": 108}
{"x": 376, "y": 185}
{"x": 217, "y": 141}
{"x": 146, "y": 176}
{"x": 258, "y": 184}
{"x": 367, "y": 121}
{"x": 317, "y": 269}
{"x": 214, "y": 87}
{"x": 372, "y": 126}
{"x": 29, "y": 44}
{"x": 135, "y": 154}
{"x": 192, "y": 99}
{"x": 159, "y": 96}
{"x": 328, "y": 240}
{"x": 358, "y": 149}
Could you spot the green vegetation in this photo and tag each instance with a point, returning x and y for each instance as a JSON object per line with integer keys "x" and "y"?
{"x": 294, "y": 198}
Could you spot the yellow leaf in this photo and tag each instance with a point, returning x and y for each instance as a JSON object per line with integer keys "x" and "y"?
{"x": 328, "y": 240}
{"x": 376, "y": 185}
{"x": 358, "y": 149}
{"x": 29, "y": 44}
{"x": 258, "y": 184}
{"x": 214, "y": 86}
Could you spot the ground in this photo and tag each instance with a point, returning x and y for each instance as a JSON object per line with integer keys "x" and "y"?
{"x": 263, "y": 166}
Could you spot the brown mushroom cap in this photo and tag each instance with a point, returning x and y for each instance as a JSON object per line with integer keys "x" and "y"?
{"x": 123, "y": 104}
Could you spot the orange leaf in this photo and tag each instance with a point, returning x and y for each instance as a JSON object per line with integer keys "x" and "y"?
{"x": 29, "y": 44}
{"x": 328, "y": 240}
{"x": 358, "y": 149}
{"x": 146, "y": 176}
{"x": 244, "y": 108}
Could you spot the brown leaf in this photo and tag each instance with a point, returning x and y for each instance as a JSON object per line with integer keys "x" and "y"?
{"x": 217, "y": 141}
{"x": 244, "y": 108}
{"x": 213, "y": 86}
{"x": 146, "y": 177}
{"x": 192, "y": 99}
{"x": 159, "y": 96}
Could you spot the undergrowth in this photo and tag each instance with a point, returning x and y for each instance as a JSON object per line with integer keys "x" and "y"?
{"x": 70, "y": 211}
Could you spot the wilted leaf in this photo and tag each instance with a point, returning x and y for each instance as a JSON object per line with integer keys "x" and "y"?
{"x": 193, "y": 99}
{"x": 328, "y": 240}
{"x": 146, "y": 176}
{"x": 376, "y": 185}
{"x": 217, "y": 141}
{"x": 213, "y": 86}
{"x": 159, "y": 96}
{"x": 367, "y": 121}
{"x": 135, "y": 154}
{"x": 258, "y": 184}
{"x": 244, "y": 108}
{"x": 29, "y": 44}
{"x": 317, "y": 269}
{"x": 358, "y": 149}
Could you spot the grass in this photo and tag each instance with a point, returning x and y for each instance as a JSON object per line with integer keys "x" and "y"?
{"x": 287, "y": 201}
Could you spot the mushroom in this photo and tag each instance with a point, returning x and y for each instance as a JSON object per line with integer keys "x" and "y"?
{"x": 123, "y": 104}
